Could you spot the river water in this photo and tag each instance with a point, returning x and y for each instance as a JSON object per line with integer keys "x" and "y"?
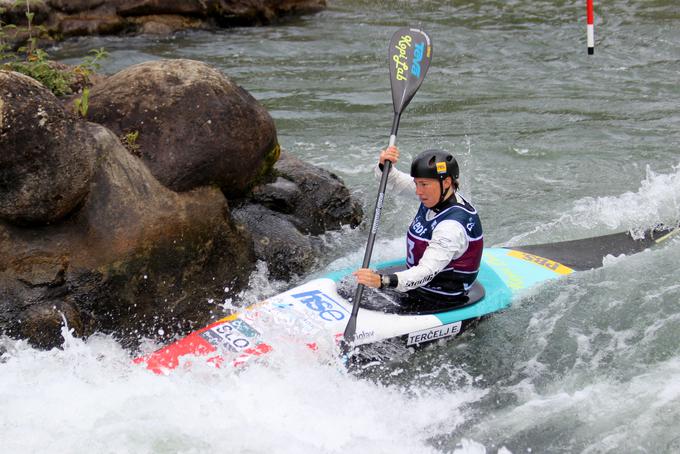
{"x": 553, "y": 144}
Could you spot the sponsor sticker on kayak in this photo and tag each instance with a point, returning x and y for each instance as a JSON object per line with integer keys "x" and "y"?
{"x": 542, "y": 261}
{"x": 323, "y": 305}
{"x": 235, "y": 335}
{"x": 430, "y": 334}
{"x": 280, "y": 315}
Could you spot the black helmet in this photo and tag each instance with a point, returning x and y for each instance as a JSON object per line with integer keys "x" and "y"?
{"x": 436, "y": 164}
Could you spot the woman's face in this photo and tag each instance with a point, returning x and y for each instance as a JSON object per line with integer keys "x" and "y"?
{"x": 428, "y": 190}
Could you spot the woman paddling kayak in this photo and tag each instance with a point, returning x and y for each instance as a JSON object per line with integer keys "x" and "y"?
{"x": 444, "y": 241}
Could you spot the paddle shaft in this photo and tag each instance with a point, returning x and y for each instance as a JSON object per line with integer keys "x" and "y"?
{"x": 350, "y": 329}
{"x": 410, "y": 52}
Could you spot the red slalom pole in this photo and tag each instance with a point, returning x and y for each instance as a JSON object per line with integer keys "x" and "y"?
{"x": 591, "y": 27}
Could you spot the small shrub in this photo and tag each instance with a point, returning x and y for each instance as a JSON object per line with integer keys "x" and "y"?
{"x": 39, "y": 68}
{"x": 34, "y": 62}
{"x": 130, "y": 142}
{"x": 83, "y": 102}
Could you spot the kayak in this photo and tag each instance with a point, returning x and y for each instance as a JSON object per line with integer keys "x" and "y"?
{"x": 316, "y": 313}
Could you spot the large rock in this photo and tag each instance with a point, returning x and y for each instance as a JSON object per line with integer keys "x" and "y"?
{"x": 148, "y": 7}
{"x": 75, "y": 6}
{"x": 224, "y": 12}
{"x": 196, "y": 127}
{"x": 47, "y": 159}
{"x": 165, "y": 24}
{"x": 317, "y": 200}
{"x": 99, "y": 20}
{"x": 278, "y": 242}
{"x": 63, "y": 18}
{"x": 135, "y": 259}
{"x": 283, "y": 215}
{"x": 131, "y": 256}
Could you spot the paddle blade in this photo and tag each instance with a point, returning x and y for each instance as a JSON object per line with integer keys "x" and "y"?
{"x": 410, "y": 53}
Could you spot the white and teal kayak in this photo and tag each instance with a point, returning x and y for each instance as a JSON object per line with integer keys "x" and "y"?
{"x": 315, "y": 313}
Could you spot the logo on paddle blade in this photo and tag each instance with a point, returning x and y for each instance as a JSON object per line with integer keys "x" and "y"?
{"x": 400, "y": 59}
{"x": 410, "y": 51}
{"x": 417, "y": 58}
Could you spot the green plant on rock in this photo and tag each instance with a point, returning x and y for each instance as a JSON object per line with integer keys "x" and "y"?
{"x": 33, "y": 32}
{"x": 39, "y": 68}
{"x": 83, "y": 102}
{"x": 91, "y": 63}
{"x": 34, "y": 62}
{"x": 31, "y": 39}
{"x": 130, "y": 142}
{"x": 29, "y": 59}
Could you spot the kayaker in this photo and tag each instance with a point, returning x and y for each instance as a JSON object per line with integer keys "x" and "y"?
{"x": 444, "y": 241}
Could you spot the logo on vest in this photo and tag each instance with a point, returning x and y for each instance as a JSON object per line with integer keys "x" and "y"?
{"x": 418, "y": 227}
{"x": 471, "y": 224}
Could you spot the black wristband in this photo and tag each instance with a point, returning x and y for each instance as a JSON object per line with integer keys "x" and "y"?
{"x": 388, "y": 280}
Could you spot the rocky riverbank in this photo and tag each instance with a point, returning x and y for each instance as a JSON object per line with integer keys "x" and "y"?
{"x": 141, "y": 217}
{"x": 58, "y": 19}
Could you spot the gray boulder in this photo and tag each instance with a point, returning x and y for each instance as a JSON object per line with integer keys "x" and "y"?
{"x": 47, "y": 159}
{"x": 135, "y": 259}
{"x": 195, "y": 126}
{"x": 284, "y": 215}
{"x": 317, "y": 200}
{"x": 278, "y": 242}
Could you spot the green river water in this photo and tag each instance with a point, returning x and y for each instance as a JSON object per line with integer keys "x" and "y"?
{"x": 553, "y": 144}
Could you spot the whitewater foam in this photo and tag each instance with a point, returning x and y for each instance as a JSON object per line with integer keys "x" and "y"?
{"x": 87, "y": 396}
{"x": 656, "y": 202}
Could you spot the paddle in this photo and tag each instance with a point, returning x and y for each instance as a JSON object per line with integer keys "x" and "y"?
{"x": 410, "y": 52}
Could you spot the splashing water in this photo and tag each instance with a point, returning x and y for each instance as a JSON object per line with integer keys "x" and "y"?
{"x": 656, "y": 202}
{"x": 88, "y": 397}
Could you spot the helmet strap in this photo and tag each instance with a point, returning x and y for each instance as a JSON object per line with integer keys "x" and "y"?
{"x": 442, "y": 191}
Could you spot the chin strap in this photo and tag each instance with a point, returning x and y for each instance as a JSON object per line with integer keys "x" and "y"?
{"x": 442, "y": 197}
{"x": 443, "y": 201}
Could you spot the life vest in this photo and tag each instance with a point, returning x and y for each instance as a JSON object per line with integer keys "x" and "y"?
{"x": 459, "y": 274}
